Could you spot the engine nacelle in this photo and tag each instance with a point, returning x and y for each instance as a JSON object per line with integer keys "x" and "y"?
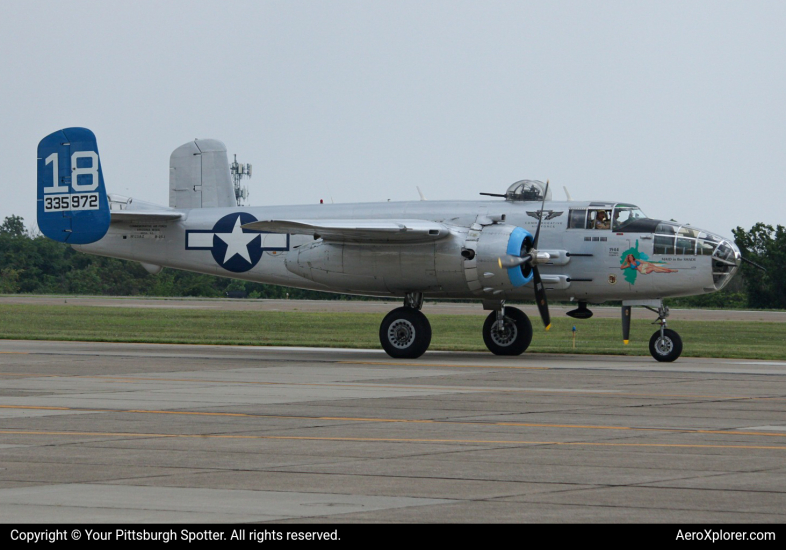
{"x": 379, "y": 268}
{"x": 463, "y": 264}
{"x": 482, "y": 267}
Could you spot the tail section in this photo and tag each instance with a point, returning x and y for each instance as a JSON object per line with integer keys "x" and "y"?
{"x": 199, "y": 176}
{"x": 72, "y": 203}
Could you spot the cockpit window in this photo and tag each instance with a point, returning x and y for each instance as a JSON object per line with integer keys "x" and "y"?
{"x": 666, "y": 229}
{"x": 599, "y": 219}
{"x": 624, "y": 214}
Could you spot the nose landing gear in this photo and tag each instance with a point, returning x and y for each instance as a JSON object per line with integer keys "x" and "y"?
{"x": 665, "y": 344}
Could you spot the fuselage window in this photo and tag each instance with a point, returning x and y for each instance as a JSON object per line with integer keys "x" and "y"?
{"x": 686, "y": 246}
{"x": 664, "y": 244}
{"x": 688, "y": 232}
{"x": 577, "y": 219}
{"x": 682, "y": 240}
{"x": 706, "y": 244}
{"x": 706, "y": 248}
{"x": 686, "y": 241}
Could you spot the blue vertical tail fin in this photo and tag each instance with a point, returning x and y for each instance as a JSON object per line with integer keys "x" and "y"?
{"x": 72, "y": 202}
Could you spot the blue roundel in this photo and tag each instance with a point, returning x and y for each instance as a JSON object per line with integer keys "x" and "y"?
{"x": 234, "y": 248}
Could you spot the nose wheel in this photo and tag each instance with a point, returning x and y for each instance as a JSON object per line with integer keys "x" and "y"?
{"x": 665, "y": 344}
{"x": 666, "y": 347}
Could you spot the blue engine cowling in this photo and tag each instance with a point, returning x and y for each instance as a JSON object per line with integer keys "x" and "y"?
{"x": 485, "y": 248}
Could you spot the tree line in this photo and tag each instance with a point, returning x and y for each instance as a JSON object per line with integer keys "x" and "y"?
{"x": 31, "y": 263}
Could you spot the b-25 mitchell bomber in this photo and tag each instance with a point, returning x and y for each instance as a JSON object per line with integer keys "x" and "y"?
{"x": 526, "y": 245}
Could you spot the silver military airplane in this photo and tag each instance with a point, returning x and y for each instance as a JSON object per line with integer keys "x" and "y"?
{"x": 492, "y": 250}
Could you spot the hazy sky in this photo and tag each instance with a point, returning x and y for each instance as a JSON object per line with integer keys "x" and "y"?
{"x": 679, "y": 107}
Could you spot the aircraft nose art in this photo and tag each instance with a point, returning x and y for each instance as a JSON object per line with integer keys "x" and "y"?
{"x": 233, "y": 248}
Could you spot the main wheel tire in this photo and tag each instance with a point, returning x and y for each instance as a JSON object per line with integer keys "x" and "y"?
{"x": 513, "y": 337}
{"x": 405, "y": 333}
{"x": 668, "y": 348}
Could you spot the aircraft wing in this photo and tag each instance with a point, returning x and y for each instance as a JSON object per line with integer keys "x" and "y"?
{"x": 357, "y": 231}
{"x": 145, "y": 215}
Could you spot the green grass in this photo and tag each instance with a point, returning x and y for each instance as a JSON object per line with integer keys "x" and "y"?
{"x": 748, "y": 340}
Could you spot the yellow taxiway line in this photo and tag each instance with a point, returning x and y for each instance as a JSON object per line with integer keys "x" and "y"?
{"x": 394, "y": 440}
{"x": 401, "y": 421}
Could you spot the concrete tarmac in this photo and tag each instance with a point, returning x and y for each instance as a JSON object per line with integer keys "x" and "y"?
{"x": 98, "y": 432}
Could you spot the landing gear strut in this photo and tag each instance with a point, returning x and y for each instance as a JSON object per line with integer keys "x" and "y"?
{"x": 507, "y": 331}
{"x": 405, "y": 332}
{"x": 665, "y": 344}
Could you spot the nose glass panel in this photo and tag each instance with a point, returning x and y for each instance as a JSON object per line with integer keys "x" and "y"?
{"x": 725, "y": 261}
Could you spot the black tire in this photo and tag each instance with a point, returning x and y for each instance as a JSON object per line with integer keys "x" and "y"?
{"x": 514, "y": 338}
{"x": 405, "y": 333}
{"x": 668, "y": 348}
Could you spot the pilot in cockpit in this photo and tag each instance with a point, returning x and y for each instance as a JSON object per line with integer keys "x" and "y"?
{"x": 602, "y": 220}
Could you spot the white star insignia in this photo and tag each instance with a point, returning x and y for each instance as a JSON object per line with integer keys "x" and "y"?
{"x": 237, "y": 242}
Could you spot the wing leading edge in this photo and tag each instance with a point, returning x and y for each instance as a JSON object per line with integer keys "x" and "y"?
{"x": 357, "y": 231}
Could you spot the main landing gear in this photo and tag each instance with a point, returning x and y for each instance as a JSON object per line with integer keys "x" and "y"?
{"x": 665, "y": 344}
{"x": 405, "y": 332}
{"x": 507, "y": 331}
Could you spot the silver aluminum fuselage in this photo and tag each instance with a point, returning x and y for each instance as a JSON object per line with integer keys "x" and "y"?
{"x": 586, "y": 265}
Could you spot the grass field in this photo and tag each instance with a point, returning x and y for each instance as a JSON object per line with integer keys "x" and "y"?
{"x": 749, "y": 340}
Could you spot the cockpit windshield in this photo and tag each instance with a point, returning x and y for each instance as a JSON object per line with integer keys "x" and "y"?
{"x": 625, "y": 214}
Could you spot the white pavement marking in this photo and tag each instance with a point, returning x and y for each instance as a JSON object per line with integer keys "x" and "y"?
{"x": 775, "y": 363}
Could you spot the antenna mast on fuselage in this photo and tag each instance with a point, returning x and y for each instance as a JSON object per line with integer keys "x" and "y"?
{"x": 238, "y": 172}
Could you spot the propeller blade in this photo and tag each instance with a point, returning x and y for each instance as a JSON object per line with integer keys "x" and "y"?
{"x": 754, "y": 264}
{"x": 626, "y": 324}
{"x": 540, "y": 217}
{"x": 540, "y": 298}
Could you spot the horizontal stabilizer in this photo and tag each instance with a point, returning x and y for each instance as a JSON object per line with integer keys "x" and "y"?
{"x": 130, "y": 215}
{"x": 357, "y": 231}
